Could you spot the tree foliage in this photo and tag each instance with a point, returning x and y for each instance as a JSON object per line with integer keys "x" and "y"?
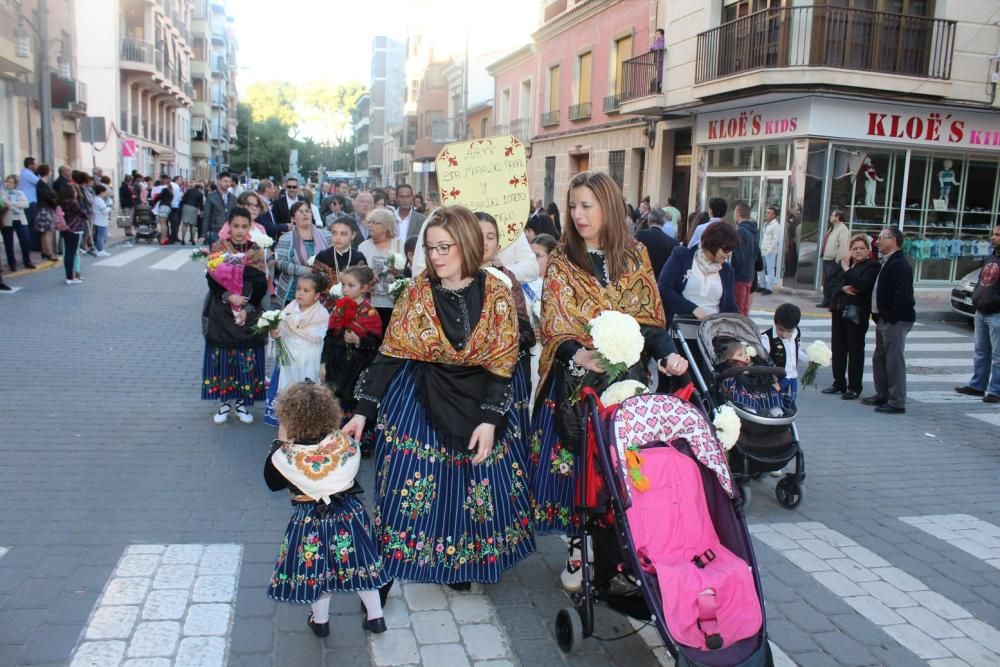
{"x": 273, "y": 99}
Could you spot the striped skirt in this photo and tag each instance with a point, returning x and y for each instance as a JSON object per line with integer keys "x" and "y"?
{"x": 326, "y": 553}
{"x": 438, "y": 518}
{"x": 233, "y": 373}
{"x": 550, "y": 469}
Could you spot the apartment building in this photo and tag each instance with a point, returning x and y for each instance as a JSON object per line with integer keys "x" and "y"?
{"x": 362, "y": 135}
{"x": 388, "y": 90}
{"x": 22, "y": 60}
{"x": 213, "y": 71}
{"x": 885, "y": 109}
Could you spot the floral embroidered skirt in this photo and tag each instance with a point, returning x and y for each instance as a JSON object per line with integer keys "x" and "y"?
{"x": 439, "y": 518}
{"x": 328, "y": 553}
{"x": 233, "y": 373}
{"x": 551, "y": 468}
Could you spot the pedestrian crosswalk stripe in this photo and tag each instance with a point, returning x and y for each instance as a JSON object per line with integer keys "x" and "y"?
{"x": 988, "y": 417}
{"x": 3, "y": 551}
{"x": 921, "y": 620}
{"x": 930, "y": 362}
{"x": 941, "y": 397}
{"x": 126, "y": 257}
{"x": 173, "y": 261}
{"x": 952, "y": 378}
{"x": 939, "y": 347}
{"x": 975, "y": 537}
{"x": 167, "y": 601}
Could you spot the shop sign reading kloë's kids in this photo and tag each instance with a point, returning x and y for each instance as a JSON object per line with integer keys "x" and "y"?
{"x": 769, "y": 121}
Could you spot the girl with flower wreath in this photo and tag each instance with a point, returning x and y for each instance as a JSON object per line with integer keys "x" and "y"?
{"x": 302, "y": 332}
{"x": 353, "y": 336}
{"x": 451, "y": 501}
{"x": 233, "y": 366}
{"x": 598, "y": 267}
{"x": 328, "y": 546}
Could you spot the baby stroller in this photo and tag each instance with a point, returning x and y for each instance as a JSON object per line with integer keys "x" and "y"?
{"x": 144, "y": 224}
{"x": 656, "y": 498}
{"x": 767, "y": 442}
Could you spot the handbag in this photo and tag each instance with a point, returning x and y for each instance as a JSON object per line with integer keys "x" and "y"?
{"x": 851, "y": 313}
{"x": 59, "y": 220}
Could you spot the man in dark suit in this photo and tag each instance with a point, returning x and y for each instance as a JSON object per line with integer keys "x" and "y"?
{"x": 894, "y": 313}
{"x": 282, "y": 206}
{"x": 266, "y": 191}
{"x": 218, "y": 204}
{"x": 656, "y": 240}
{"x": 410, "y": 221}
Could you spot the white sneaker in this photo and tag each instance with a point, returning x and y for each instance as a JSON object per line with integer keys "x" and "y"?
{"x": 572, "y": 575}
{"x": 223, "y": 414}
{"x": 244, "y": 414}
{"x": 74, "y": 281}
{"x": 103, "y": 253}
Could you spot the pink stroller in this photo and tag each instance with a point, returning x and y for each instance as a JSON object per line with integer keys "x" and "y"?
{"x": 657, "y": 500}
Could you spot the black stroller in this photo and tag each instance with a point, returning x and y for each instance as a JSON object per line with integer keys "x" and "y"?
{"x": 767, "y": 442}
{"x": 656, "y": 561}
{"x": 144, "y": 224}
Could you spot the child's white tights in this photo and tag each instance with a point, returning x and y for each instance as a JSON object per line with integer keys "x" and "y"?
{"x": 321, "y": 607}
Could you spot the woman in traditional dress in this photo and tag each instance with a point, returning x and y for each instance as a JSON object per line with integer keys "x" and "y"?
{"x": 294, "y": 249}
{"x": 339, "y": 257}
{"x": 599, "y": 267}
{"x": 451, "y": 502}
{"x": 233, "y": 368}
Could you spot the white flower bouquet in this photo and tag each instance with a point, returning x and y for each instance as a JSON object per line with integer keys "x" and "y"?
{"x": 396, "y": 261}
{"x": 397, "y": 287}
{"x": 727, "y": 426}
{"x": 619, "y": 391}
{"x": 311, "y": 260}
{"x": 819, "y": 356}
{"x": 268, "y": 322}
{"x": 336, "y": 290}
{"x": 260, "y": 239}
{"x": 617, "y": 340}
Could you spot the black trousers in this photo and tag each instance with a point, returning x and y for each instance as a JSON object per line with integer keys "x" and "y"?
{"x": 848, "y": 346}
{"x": 174, "y": 221}
{"x": 830, "y": 269}
{"x": 23, "y": 239}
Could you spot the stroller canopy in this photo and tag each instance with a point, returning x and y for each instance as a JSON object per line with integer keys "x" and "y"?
{"x": 732, "y": 325}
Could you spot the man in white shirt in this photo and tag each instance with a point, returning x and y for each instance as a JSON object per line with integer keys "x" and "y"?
{"x": 717, "y": 210}
{"x": 675, "y": 216}
{"x": 409, "y": 221}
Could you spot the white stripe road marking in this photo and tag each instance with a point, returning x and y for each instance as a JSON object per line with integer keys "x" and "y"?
{"x": 766, "y": 320}
{"x": 3, "y": 551}
{"x": 173, "y": 261}
{"x": 939, "y": 347}
{"x": 955, "y": 379}
{"x": 126, "y": 257}
{"x": 921, "y": 620}
{"x": 931, "y": 362}
{"x": 941, "y": 397}
{"x": 172, "y": 601}
{"x": 975, "y": 537}
{"x": 988, "y": 417}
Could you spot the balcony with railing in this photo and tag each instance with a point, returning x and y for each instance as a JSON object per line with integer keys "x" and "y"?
{"x": 837, "y": 38}
{"x": 137, "y": 54}
{"x": 499, "y": 130}
{"x": 521, "y": 129}
{"x": 641, "y": 76}
{"x": 398, "y": 166}
{"x": 612, "y": 103}
{"x": 550, "y": 118}
{"x": 579, "y": 111}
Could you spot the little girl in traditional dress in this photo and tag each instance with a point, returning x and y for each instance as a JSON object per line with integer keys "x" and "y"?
{"x": 353, "y": 337}
{"x": 302, "y": 332}
{"x": 759, "y": 393}
{"x": 328, "y": 546}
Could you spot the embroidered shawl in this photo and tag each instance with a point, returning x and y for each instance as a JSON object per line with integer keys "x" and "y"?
{"x": 415, "y": 330}
{"x": 309, "y": 324}
{"x": 322, "y": 470}
{"x": 573, "y": 297}
{"x": 252, "y": 256}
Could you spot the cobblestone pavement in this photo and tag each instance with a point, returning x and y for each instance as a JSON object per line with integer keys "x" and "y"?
{"x": 134, "y": 531}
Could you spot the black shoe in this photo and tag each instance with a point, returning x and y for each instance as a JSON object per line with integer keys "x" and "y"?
{"x": 822, "y": 305}
{"x": 321, "y": 629}
{"x": 383, "y": 596}
{"x": 849, "y": 396}
{"x": 375, "y": 625}
{"x": 969, "y": 391}
{"x": 766, "y": 292}
{"x": 462, "y": 586}
{"x": 991, "y": 398}
{"x": 30, "y": 266}
{"x": 873, "y": 400}
{"x": 890, "y": 410}
{"x": 832, "y": 390}
{"x": 4, "y": 287}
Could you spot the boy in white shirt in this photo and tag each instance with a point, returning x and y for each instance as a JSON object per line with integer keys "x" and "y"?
{"x": 782, "y": 343}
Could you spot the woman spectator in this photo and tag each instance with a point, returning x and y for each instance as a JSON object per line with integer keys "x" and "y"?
{"x": 339, "y": 257}
{"x": 192, "y": 204}
{"x": 685, "y": 229}
{"x": 553, "y": 212}
{"x": 598, "y": 267}
{"x": 102, "y": 211}
{"x": 15, "y": 221}
{"x": 72, "y": 202}
{"x": 698, "y": 281}
{"x": 126, "y": 202}
{"x": 539, "y": 224}
{"x": 45, "y": 216}
{"x": 418, "y": 203}
{"x": 233, "y": 366}
{"x": 451, "y": 501}
{"x": 376, "y": 249}
{"x": 851, "y": 312}
{"x": 294, "y": 250}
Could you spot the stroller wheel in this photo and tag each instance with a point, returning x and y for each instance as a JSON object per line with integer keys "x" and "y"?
{"x": 569, "y": 629}
{"x": 788, "y": 492}
{"x": 746, "y": 493}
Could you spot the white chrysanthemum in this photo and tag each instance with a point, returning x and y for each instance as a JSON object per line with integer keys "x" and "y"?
{"x": 396, "y": 260}
{"x": 819, "y": 353}
{"x": 617, "y": 337}
{"x": 727, "y": 426}
{"x": 500, "y": 275}
{"x": 619, "y": 391}
{"x": 311, "y": 260}
{"x": 751, "y": 351}
{"x": 336, "y": 290}
{"x": 261, "y": 239}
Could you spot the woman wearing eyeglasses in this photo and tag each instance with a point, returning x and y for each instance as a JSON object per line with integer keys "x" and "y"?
{"x": 451, "y": 503}
{"x": 376, "y": 249}
{"x": 598, "y": 267}
{"x": 294, "y": 249}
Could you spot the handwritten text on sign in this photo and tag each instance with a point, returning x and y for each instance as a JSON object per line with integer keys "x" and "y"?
{"x": 488, "y": 175}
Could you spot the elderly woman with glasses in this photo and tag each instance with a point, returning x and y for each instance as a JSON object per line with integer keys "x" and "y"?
{"x": 380, "y": 245}
{"x": 452, "y": 503}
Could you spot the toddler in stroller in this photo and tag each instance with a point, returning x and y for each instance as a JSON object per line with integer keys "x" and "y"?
{"x": 761, "y": 393}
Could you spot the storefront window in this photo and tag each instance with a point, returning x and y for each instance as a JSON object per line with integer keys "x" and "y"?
{"x": 976, "y": 202}
{"x": 736, "y": 158}
{"x": 804, "y": 225}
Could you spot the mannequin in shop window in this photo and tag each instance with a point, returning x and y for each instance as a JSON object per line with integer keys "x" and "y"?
{"x": 946, "y": 179}
{"x": 871, "y": 179}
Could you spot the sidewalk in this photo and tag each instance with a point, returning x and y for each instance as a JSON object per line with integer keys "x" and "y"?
{"x": 116, "y": 237}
